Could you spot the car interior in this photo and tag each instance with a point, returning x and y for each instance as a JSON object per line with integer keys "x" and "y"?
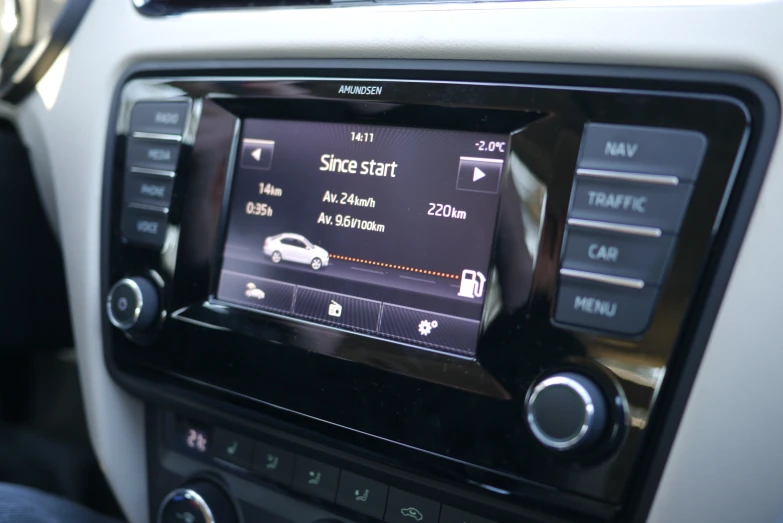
{"x": 391, "y": 261}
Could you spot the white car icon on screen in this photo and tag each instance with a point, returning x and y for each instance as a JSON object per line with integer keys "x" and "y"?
{"x": 295, "y": 248}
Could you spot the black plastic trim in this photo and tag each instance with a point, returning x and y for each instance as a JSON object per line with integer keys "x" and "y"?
{"x": 759, "y": 97}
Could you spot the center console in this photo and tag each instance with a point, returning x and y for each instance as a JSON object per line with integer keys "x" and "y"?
{"x": 413, "y": 291}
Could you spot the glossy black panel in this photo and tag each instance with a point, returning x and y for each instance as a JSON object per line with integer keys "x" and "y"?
{"x": 447, "y": 417}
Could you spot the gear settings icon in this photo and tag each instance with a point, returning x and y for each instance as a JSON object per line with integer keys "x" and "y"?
{"x": 425, "y": 327}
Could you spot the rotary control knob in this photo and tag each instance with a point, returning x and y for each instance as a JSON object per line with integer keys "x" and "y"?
{"x": 567, "y": 411}
{"x": 201, "y": 502}
{"x": 132, "y": 304}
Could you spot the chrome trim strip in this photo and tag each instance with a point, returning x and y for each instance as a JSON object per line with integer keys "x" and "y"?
{"x": 157, "y": 136}
{"x": 194, "y": 498}
{"x": 125, "y": 325}
{"x": 631, "y": 283}
{"x": 638, "y": 230}
{"x": 561, "y": 381}
{"x": 144, "y": 207}
{"x": 156, "y": 172}
{"x": 657, "y": 179}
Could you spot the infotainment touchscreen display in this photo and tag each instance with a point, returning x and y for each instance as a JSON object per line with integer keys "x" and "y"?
{"x": 383, "y": 231}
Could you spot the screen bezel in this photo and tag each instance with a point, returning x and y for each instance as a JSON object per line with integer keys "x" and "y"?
{"x": 472, "y": 376}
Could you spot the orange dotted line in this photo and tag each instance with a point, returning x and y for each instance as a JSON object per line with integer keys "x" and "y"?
{"x": 392, "y": 266}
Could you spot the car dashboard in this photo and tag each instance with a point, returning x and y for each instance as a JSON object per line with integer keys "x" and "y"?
{"x": 424, "y": 262}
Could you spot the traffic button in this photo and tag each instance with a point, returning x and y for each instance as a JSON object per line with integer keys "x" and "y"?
{"x": 629, "y": 203}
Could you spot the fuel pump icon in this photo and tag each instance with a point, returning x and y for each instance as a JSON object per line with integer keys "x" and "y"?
{"x": 472, "y": 284}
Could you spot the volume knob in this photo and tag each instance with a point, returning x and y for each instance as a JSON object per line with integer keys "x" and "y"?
{"x": 132, "y": 303}
{"x": 567, "y": 411}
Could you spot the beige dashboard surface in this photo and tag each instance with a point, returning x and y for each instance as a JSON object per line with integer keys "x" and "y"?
{"x": 727, "y": 462}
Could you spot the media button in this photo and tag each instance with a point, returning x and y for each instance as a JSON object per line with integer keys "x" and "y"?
{"x": 258, "y": 293}
{"x": 479, "y": 174}
{"x": 160, "y": 155}
{"x": 428, "y": 328}
{"x": 337, "y": 308}
{"x": 257, "y": 154}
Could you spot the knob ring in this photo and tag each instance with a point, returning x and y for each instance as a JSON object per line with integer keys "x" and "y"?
{"x": 190, "y": 495}
{"x": 134, "y": 287}
{"x": 576, "y": 387}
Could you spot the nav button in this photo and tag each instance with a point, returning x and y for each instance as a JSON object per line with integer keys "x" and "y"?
{"x": 479, "y": 174}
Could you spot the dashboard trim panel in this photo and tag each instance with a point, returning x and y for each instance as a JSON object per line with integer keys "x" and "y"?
{"x": 753, "y": 92}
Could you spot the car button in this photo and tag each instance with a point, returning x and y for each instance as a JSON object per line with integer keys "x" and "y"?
{"x": 233, "y": 448}
{"x": 603, "y": 306}
{"x": 337, "y": 308}
{"x": 144, "y": 226}
{"x": 258, "y": 293}
{"x": 273, "y": 463}
{"x": 363, "y": 495}
{"x": 160, "y": 155}
{"x": 404, "y": 507}
{"x": 151, "y": 189}
{"x": 159, "y": 117}
{"x": 453, "y": 515}
{"x": 428, "y": 328}
{"x": 616, "y": 254}
{"x": 316, "y": 478}
{"x": 644, "y": 204}
{"x": 644, "y": 150}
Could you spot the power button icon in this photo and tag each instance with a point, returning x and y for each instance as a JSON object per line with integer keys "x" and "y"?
{"x": 132, "y": 303}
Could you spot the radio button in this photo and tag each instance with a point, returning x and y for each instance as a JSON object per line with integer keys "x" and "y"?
{"x": 159, "y": 117}
{"x": 151, "y": 189}
{"x": 160, "y": 155}
{"x": 604, "y": 307}
{"x": 337, "y": 308}
{"x": 644, "y": 150}
{"x": 615, "y": 201}
{"x": 616, "y": 254}
{"x": 144, "y": 226}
